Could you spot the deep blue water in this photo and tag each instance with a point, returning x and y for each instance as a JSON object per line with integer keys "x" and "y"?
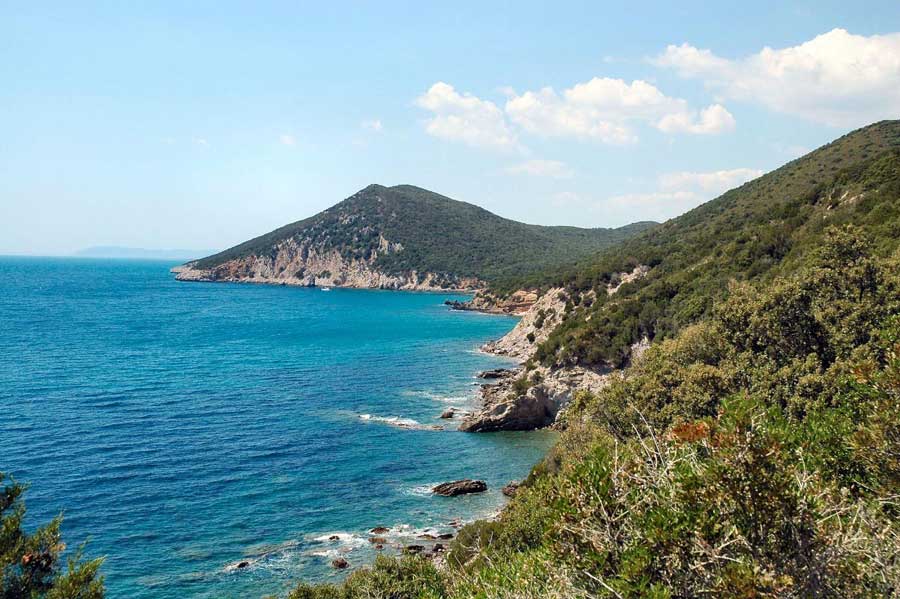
{"x": 185, "y": 427}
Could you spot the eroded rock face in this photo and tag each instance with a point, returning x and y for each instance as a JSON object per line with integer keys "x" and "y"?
{"x": 517, "y": 303}
{"x": 503, "y": 411}
{"x": 301, "y": 263}
{"x": 503, "y": 408}
{"x": 536, "y": 324}
{"x": 460, "y": 487}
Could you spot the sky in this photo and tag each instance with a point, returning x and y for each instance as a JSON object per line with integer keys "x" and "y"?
{"x": 202, "y": 124}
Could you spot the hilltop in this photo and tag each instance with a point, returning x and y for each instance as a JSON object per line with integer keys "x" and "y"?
{"x": 404, "y": 237}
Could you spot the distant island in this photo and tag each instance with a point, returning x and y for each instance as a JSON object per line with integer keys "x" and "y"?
{"x": 114, "y": 251}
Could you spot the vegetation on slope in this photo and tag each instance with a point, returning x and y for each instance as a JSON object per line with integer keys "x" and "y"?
{"x": 437, "y": 235}
{"x": 765, "y": 228}
{"x": 755, "y": 454}
{"x": 31, "y": 564}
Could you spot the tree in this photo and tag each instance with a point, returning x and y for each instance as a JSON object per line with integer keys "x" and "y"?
{"x": 31, "y": 565}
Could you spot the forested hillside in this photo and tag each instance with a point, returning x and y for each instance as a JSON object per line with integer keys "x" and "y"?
{"x": 406, "y": 231}
{"x": 764, "y": 228}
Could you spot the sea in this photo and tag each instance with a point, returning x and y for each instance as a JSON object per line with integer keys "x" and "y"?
{"x": 186, "y": 429}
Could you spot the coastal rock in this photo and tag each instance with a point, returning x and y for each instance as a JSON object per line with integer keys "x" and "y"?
{"x": 506, "y": 407}
{"x": 377, "y": 540}
{"x": 448, "y": 413}
{"x": 334, "y": 538}
{"x": 536, "y": 324}
{"x": 446, "y": 536}
{"x": 380, "y": 530}
{"x": 304, "y": 263}
{"x": 510, "y": 489}
{"x": 242, "y": 565}
{"x": 414, "y": 548}
{"x": 526, "y": 412}
{"x": 516, "y": 303}
{"x": 460, "y": 487}
{"x": 340, "y": 563}
{"x": 496, "y": 373}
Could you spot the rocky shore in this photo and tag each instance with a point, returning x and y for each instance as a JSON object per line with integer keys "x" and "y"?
{"x": 304, "y": 264}
{"x": 522, "y": 399}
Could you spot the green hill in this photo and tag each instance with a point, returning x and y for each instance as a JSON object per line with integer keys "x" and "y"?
{"x": 399, "y": 235}
{"x": 764, "y": 228}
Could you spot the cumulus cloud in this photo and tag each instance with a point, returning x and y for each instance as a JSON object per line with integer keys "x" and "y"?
{"x": 553, "y": 169}
{"x": 287, "y": 139}
{"x": 836, "y": 78}
{"x": 465, "y": 118}
{"x": 605, "y": 109}
{"x": 713, "y": 119}
{"x": 373, "y": 125}
{"x": 602, "y": 109}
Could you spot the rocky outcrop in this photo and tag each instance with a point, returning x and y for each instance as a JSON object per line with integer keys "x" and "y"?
{"x": 306, "y": 264}
{"x": 510, "y": 489}
{"x": 521, "y": 399}
{"x": 496, "y": 373}
{"x": 517, "y": 303}
{"x": 460, "y": 487}
{"x": 535, "y": 326}
{"x": 621, "y": 278}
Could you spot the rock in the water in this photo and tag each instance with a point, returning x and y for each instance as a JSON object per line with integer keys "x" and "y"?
{"x": 334, "y": 538}
{"x": 460, "y": 487}
{"x": 427, "y": 537}
{"x": 414, "y": 548}
{"x": 380, "y": 530}
{"x": 379, "y": 546}
{"x": 496, "y": 373}
{"x": 445, "y": 536}
{"x": 377, "y": 540}
{"x": 510, "y": 489}
{"x": 438, "y": 548}
{"x": 243, "y": 564}
{"x": 448, "y": 413}
{"x": 340, "y": 563}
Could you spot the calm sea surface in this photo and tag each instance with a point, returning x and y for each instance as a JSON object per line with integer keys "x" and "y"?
{"x": 183, "y": 428}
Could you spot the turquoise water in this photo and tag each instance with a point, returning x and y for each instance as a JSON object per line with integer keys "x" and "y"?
{"x": 183, "y": 427}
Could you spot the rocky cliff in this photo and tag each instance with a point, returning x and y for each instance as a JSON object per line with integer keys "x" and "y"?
{"x": 306, "y": 263}
{"x": 533, "y": 396}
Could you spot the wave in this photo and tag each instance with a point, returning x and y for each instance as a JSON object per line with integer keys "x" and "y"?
{"x": 400, "y": 422}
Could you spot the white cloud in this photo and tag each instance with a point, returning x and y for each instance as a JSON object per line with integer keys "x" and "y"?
{"x": 604, "y": 109}
{"x": 465, "y": 118}
{"x": 714, "y": 182}
{"x": 713, "y": 119}
{"x": 553, "y": 169}
{"x": 836, "y": 78}
{"x": 201, "y": 142}
{"x": 373, "y": 125}
{"x": 287, "y": 140}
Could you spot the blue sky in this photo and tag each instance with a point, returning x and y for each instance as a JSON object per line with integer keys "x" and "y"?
{"x": 201, "y": 124}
